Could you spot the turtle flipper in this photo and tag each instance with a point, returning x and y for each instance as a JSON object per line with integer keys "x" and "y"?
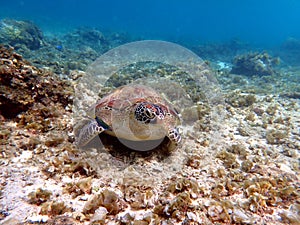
{"x": 175, "y": 138}
{"x": 174, "y": 135}
{"x": 89, "y": 131}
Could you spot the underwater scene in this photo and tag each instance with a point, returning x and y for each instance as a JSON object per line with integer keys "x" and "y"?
{"x": 149, "y": 112}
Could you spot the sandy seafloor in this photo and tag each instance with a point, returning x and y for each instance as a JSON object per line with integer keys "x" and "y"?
{"x": 242, "y": 168}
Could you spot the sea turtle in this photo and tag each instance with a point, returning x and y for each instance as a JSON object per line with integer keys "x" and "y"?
{"x": 134, "y": 113}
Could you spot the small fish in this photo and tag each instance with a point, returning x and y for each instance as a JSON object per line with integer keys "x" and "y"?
{"x": 59, "y": 47}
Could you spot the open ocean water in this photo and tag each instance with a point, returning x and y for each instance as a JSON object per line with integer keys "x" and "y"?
{"x": 265, "y": 23}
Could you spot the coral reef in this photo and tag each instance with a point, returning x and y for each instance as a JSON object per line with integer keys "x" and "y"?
{"x": 251, "y": 176}
{"x": 86, "y": 38}
{"x": 251, "y": 64}
{"x": 220, "y": 51}
{"x": 62, "y": 53}
{"x": 24, "y": 87}
{"x": 237, "y": 99}
{"x": 18, "y": 33}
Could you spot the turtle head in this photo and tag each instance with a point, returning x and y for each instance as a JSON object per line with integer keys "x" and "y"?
{"x": 148, "y": 112}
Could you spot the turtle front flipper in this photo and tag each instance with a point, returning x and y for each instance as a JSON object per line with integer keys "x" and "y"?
{"x": 175, "y": 138}
{"x": 90, "y": 131}
{"x": 174, "y": 135}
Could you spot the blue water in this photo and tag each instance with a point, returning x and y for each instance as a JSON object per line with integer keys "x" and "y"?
{"x": 260, "y": 22}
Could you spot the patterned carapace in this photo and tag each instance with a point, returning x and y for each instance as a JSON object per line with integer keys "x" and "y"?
{"x": 135, "y": 113}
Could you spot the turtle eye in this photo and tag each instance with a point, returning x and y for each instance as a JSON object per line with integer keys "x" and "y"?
{"x": 149, "y": 113}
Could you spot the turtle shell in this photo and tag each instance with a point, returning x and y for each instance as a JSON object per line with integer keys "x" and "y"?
{"x": 118, "y": 111}
{"x": 133, "y": 113}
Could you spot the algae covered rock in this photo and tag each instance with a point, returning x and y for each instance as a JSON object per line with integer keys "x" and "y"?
{"x": 23, "y": 87}
{"x": 251, "y": 64}
{"x": 14, "y": 32}
{"x": 87, "y": 38}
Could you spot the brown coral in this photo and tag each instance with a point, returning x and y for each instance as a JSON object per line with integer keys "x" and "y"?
{"x": 23, "y": 86}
